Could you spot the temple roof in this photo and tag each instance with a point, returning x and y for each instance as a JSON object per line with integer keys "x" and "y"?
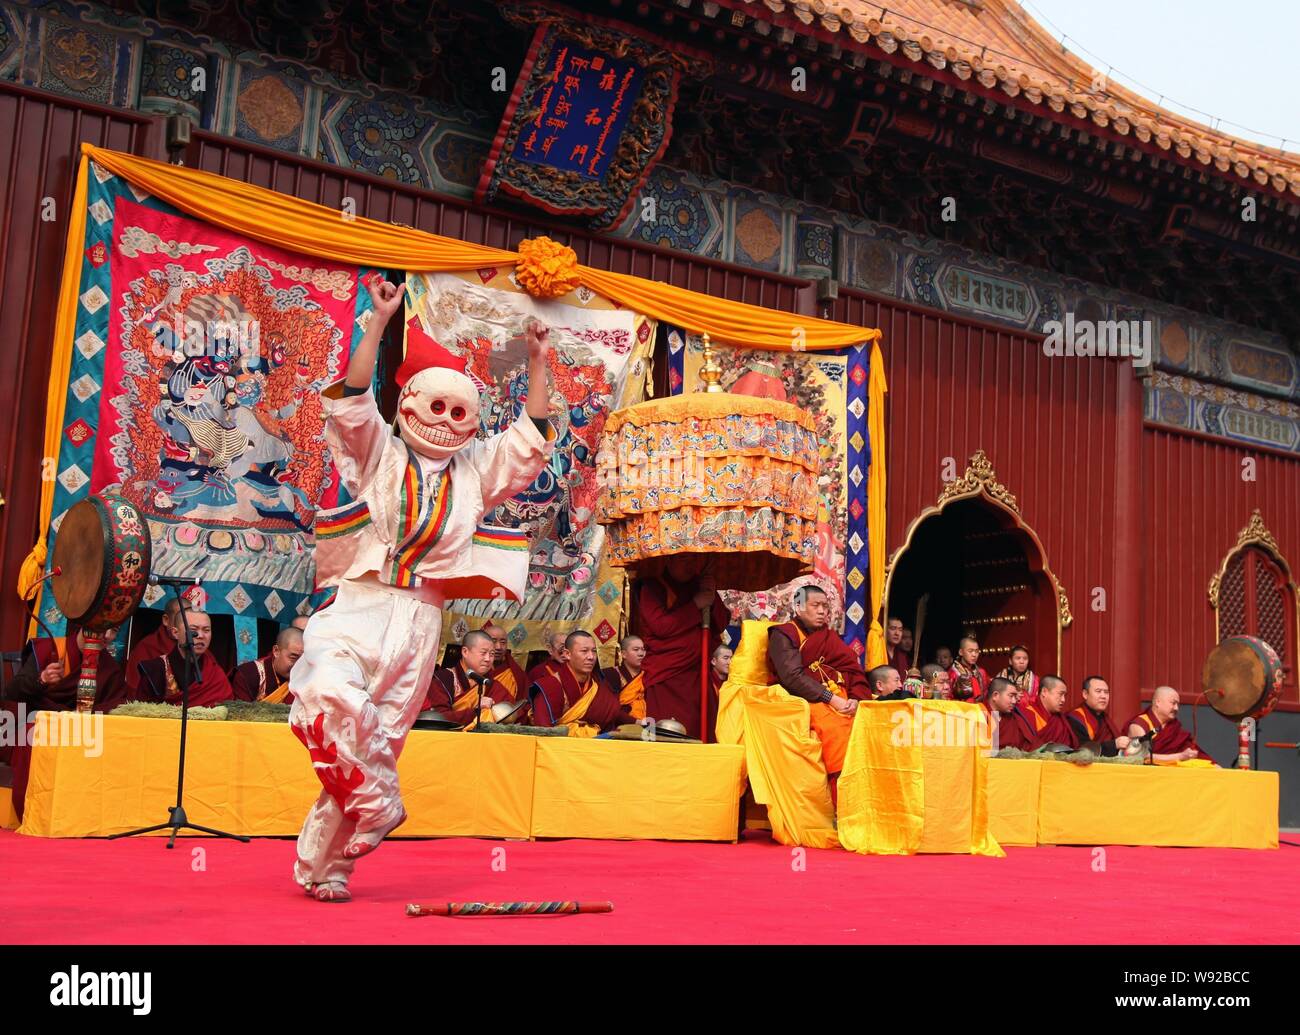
{"x": 999, "y": 45}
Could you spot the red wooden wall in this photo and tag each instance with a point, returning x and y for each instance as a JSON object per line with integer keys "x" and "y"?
{"x": 1195, "y": 505}
{"x": 40, "y": 140}
{"x": 1056, "y": 431}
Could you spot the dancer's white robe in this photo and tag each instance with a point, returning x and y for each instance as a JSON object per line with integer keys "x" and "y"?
{"x": 368, "y": 657}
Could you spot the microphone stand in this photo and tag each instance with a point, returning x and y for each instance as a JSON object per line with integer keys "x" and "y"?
{"x": 177, "y": 818}
{"x": 482, "y": 681}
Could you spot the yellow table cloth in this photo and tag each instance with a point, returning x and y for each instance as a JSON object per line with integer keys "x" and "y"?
{"x": 623, "y": 789}
{"x": 1013, "y": 801}
{"x": 915, "y": 780}
{"x": 254, "y": 778}
{"x": 1156, "y": 805}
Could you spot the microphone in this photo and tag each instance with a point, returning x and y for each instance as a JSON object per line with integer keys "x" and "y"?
{"x": 168, "y": 580}
{"x": 484, "y": 681}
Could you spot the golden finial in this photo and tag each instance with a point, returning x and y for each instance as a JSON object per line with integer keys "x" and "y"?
{"x": 711, "y": 370}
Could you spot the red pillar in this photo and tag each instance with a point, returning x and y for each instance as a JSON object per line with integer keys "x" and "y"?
{"x": 1124, "y": 596}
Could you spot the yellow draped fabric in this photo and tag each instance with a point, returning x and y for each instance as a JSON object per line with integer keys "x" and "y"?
{"x": 783, "y": 758}
{"x": 916, "y": 780}
{"x": 277, "y": 695}
{"x": 1013, "y": 800}
{"x": 311, "y": 229}
{"x": 65, "y": 321}
{"x": 876, "y": 389}
{"x": 882, "y": 787}
{"x": 632, "y": 696}
{"x": 577, "y": 710}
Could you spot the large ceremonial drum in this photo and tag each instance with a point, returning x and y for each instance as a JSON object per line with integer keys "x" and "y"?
{"x": 104, "y": 551}
{"x": 730, "y": 476}
{"x": 1242, "y": 678}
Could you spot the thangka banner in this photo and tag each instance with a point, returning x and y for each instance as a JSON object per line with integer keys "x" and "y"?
{"x": 590, "y": 115}
{"x": 832, "y": 386}
{"x": 194, "y": 391}
{"x": 598, "y": 364}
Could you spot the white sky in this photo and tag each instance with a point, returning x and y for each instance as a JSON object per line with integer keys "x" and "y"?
{"x": 1236, "y": 60}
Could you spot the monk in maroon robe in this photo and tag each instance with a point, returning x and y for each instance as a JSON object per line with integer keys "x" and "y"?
{"x": 1009, "y": 727}
{"x": 1170, "y": 743}
{"x": 1046, "y": 715}
{"x": 969, "y": 682}
{"x": 667, "y": 618}
{"x": 161, "y": 678}
{"x": 576, "y": 696}
{"x": 810, "y": 661}
{"x": 454, "y": 693}
{"x": 627, "y": 678}
{"x": 44, "y": 683}
{"x": 719, "y": 667}
{"x": 508, "y": 677}
{"x": 897, "y": 656}
{"x": 267, "y": 679}
{"x": 1091, "y": 721}
{"x": 157, "y": 644}
{"x": 551, "y": 665}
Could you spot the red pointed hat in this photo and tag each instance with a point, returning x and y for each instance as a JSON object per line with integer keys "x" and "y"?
{"x": 422, "y": 352}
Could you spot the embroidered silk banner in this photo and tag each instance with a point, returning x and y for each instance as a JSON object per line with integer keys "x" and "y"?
{"x": 194, "y": 391}
{"x": 598, "y": 364}
{"x": 590, "y": 115}
{"x": 833, "y": 388}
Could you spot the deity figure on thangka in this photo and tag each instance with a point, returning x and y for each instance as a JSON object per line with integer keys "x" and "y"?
{"x": 223, "y": 445}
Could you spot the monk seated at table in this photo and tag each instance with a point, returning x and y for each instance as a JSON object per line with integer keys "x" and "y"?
{"x": 553, "y": 662}
{"x": 1159, "y": 727}
{"x": 157, "y": 644}
{"x": 719, "y": 667}
{"x": 454, "y": 692}
{"x": 887, "y": 685}
{"x": 811, "y": 661}
{"x": 576, "y": 696}
{"x": 267, "y": 679}
{"x": 160, "y": 678}
{"x": 46, "y": 684}
{"x": 507, "y": 676}
{"x": 1091, "y": 722}
{"x": 1010, "y": 727}
{"x": 937, "y": 683}
{"x": 627, "y": 679}
{"x": 1046, "y": 715}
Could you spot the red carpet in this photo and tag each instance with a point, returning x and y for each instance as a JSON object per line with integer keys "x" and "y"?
{"x": 135, "y": 891}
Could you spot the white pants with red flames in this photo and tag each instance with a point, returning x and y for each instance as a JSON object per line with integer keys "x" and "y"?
{"x": 360, "y": 683}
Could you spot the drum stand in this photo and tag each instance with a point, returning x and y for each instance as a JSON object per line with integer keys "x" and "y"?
{"x": 178, "y": 820}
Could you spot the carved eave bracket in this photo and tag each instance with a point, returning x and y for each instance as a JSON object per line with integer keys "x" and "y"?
{"x": 979, "y": 479}
{"x": 1254, "y": 534}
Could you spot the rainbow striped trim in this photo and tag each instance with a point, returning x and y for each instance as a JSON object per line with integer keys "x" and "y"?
{"x": 409, "y": 556}
{"x": 498, "y": 538}
{"x": 346, "y": 521}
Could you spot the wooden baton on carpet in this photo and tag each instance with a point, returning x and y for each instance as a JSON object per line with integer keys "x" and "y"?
{"x": 507, "y": 908}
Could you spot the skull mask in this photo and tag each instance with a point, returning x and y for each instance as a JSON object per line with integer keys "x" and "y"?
{"x": 437, "y": 412}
